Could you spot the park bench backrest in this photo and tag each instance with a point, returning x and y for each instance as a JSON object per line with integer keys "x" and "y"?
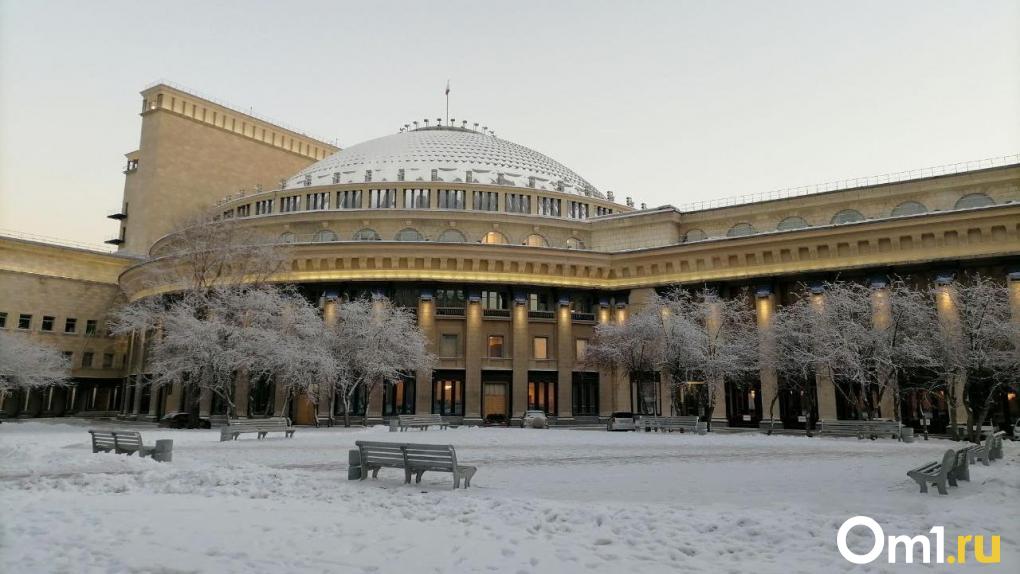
{"x": 949, "y": 460}
{"x": 128, "y": 440}
{"x": 103, "y": 440}
{"x": 432, "y": 456}
{"x": 416, "y": 419}
{"x": 381, "y": 453}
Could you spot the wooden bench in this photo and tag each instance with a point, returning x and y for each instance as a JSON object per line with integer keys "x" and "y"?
{"x": 421, "y": 422}
{"x": 261, "y": 427}
{"x": 120, "y": 442}
{"x": 987, "y": 452}
{"x": 414, "y": 459}
{"x": 670, "y": 424}
{"x": 861, "y": 429}
{"x": 937, "y": 473}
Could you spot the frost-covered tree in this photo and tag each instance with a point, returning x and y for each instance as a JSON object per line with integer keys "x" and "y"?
{"x": 977, "y": 343}
{"x": 27, "y": 365}
{"x": 708, "y": 341}
{"x": 373, "y": 343}
{"x": 202, "y": 339}
{"x": 790, "y": 352}
{"x": 635, "y": 347}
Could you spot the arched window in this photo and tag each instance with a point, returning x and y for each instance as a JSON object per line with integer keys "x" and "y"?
{"x": 792, "y": 222}
{"x": 452, "y": 236}
{"x": 287, "y": 237}
{"x": 366, "y": 235}
{"x": 695, "y": 235}
{"x": 847, "y": 216}
{"x": 536, "y": 240}
{"x": 974, "y": 200}
{"x": 409, "y": 234}
{"x": 575, "y": 243}
{"x": 908, "y": 208}
{"x": 495, "y": 238}
{"x": 325, "y": 235}
{"x": 740, "y": 230}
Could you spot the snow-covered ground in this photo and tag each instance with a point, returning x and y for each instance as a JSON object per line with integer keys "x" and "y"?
{"x": 542, "y": 501}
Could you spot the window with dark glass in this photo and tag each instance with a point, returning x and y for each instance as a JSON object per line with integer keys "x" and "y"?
{"x": 494, "y": 300}
{"x": 585, "y": 394}
{"x": 450, "y": 298}
{"x": 539, "y": 302}
{"x": 24, "y": 321}
{"x": 3, "y": 319}
{"x": 398, "y": 396}
{"x": 485, "y": 200}
{"x": 70, "y": 325}
{"x": 448, "y": 395}
{"x": 90, "y": 327}
{"x": 86, "y": 359}
{"x": 47, "y": 323}
{"x": 107, "y": 360}
{"x": 416, "y": 199}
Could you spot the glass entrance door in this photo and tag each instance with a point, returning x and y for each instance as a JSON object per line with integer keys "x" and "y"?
{"x": 495, "y": 400}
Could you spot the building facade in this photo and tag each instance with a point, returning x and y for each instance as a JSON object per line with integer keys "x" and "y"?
{"x": 508, "y": 258}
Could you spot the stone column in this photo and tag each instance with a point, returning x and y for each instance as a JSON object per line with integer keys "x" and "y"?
{"x": 423, "y": 380}
{"x": 607, "y": 380}
{"x": 881, "y": 318}
{"x": 520, "y": 355}
{"x": 621, "y": 380}
{"x": 242, "y": 386}
{"x": 173, "y": 398}
{"x": 765, "y": 307}
{"x": 564, "y": 362}
{"x": 473, "y": 362}
{"x": 153, "y": 403}
{"x": 826, "y": 388}
{"x": 137, "y": 403}
{"x": 279, "y": 400}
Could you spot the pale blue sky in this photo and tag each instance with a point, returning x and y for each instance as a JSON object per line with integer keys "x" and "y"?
{"x": 669, "y": 102}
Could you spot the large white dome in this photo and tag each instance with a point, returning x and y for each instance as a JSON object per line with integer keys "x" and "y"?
{"x": 443, "y": 154}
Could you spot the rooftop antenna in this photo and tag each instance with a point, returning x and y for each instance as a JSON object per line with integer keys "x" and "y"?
{"x": 447, "y": 102}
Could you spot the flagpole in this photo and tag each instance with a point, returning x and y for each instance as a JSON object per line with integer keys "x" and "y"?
{"x": 447, "y": 102}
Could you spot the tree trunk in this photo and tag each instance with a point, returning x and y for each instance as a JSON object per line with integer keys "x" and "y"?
{"x": 772, "y": 412}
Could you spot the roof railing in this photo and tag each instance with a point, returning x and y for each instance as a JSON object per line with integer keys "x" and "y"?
{"x": 333, "y": 141}
{"x": 55, "y": 241}
{"x": 922, "y": 173}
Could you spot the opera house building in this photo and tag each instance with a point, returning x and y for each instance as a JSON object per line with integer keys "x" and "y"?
{"x": 508, "y": 258}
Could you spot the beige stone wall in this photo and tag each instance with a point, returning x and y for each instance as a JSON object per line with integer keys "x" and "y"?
{"x": 41, "y": 296}
{"x": 187, "y": 161}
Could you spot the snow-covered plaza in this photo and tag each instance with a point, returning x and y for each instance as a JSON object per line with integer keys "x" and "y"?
{"x": 542, "y": 501}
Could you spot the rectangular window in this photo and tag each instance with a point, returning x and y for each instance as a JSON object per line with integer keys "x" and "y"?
{"x": 518, "y": 203}
{"x": 494, "y": 300}
{"x": 24, "y": 321}
{"x": 90, "y": 328}
{"x": 244, "y": 210}
{"x": 317, "y": 200}
{"x": 3, "y": 320}
{"x": 451, "y": 199}
{"x": 70, "y": 325}
{"x": 538, "y": 302}
{"x": 549, "y": 206}
{"x": 264, "y": 207}
{"x": 348, "y": 199}
{"x": 578, "y": 210}
{"x": 47, "y": 323}
{"x": 485, "y": 200}
{"x": 107, "y": 360}
{"x": 448, "y": 346}
{"x": 450, "y": 298}
{"x": 416, "y": 199}
{"x": 382, "y": 198}
{"x": 580, "y": 348}
{"x": 599, "y": 210}
{"x": 288, "y": 204}
{"x": 86, "y": 359}
{"x": 495, "y": 346}
{"x": 448, "y": 396}
{"x": 540, "y": 348}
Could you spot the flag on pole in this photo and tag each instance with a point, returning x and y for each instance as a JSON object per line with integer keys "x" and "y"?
{"x": 447, "y": 87}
